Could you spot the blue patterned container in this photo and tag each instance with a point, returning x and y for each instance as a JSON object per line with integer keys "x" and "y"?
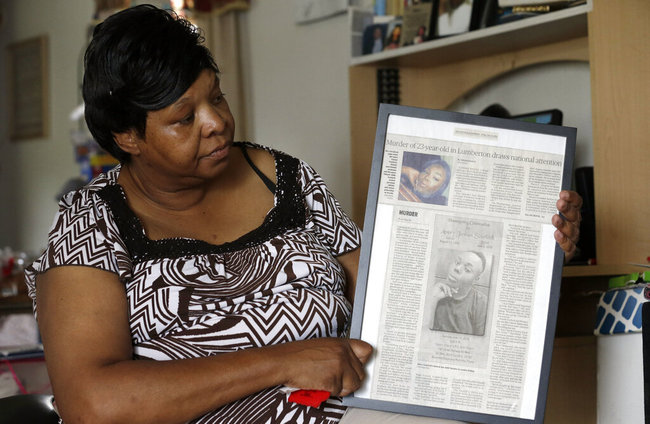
{"x": 619, "y": 310}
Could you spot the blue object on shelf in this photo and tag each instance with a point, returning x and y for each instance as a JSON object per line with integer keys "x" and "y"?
{"x": 619, "y": 310}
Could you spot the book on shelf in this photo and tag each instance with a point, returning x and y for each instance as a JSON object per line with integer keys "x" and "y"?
{"x": 389, "y": 7}
{"x": 554, "y": 3}
{"x": 539, "y": 8}
{"x": 513, "y": 13}
{"x": 395, "y": 7}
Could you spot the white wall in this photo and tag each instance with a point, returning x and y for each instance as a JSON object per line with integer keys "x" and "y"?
{"x": 555, "y": 85}
{"x": 296, "y": 82}
{"x": 33, "y": 171}
{"x": 296, "y": 88}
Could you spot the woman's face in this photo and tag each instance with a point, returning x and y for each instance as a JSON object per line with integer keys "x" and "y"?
{"x": 190, "y": 138}
{"x": 430, "y": 180}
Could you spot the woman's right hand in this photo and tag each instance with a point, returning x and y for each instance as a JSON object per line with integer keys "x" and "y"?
{"x": 331, "y": 364}
{"x": 410, "y": 173}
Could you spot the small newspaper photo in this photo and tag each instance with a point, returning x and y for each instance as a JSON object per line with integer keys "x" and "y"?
{"x": 459, "y": 274}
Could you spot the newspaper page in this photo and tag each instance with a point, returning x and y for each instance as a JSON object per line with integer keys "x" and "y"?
{"x": 461, "y": 265}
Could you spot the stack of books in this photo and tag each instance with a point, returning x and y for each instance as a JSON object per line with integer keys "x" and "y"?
{"x": 511, "y": 10}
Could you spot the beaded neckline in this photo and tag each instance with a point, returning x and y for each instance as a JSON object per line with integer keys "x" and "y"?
{"x": 287, "y": 213}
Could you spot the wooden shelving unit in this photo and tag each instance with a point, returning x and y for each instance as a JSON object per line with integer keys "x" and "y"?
{"x": 611, "y": 36}
{"x": 600, "y": 270}
{"x": 539, "y": 30}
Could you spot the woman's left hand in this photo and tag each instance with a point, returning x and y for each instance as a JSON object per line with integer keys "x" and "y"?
{"x": 567, "y": 224}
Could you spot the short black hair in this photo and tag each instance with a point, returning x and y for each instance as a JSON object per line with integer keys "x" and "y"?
{"x": 140, "y": 59}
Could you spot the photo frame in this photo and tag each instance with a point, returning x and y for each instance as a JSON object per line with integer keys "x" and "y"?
{"x": 419, "y": 25}
{"x": 459, "y": 296}
{"x": 393, "y": 39}
{"x": 373, "y": 38}
{"x": 457, "y": 16}
{"x": 28, "y": 89}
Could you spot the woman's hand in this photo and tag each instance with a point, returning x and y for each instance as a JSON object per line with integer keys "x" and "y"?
{"x": 410, "y": 173}
{"x": 567, "y": 225}
{"x": 331, "y": 364}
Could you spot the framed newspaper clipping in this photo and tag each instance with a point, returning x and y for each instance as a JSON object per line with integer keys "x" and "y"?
{"x": 459, "y": 275}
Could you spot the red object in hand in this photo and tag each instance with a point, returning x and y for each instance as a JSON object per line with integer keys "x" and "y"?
{"x": 309, "y": 397}
{"x": 8, "y": 268}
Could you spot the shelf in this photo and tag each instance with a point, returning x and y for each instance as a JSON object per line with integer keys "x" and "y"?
{"x": 14, "y": 304}
{"x": 600, "y": 270}
{"x": 539, "y": 30}
{"x": 610, "y": 35}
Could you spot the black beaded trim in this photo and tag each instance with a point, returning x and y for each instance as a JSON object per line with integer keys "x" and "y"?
{"x": 288, "y": 213}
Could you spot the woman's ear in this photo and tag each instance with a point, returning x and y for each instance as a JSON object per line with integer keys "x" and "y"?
{"x": 128, "y": 141}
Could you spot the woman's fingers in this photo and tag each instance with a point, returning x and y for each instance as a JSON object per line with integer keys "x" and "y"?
{"x": 361, "y": 349}
{"x": 569, "y": 204}
{"x": 567, "y": 222}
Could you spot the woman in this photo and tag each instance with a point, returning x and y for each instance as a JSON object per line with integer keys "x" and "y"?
{"x": 426, "y": 184}
{"x": 200, "y": 275}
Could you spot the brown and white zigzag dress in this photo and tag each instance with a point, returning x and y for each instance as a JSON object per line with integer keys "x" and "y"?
{"x": 188, "y": 298}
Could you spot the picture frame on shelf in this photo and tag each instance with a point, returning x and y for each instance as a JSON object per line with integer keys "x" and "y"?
{"x": 28, "y": 88}
{"x": 418, "y": 22}
{"x": 457, "y": 16}
{"x": 393, "y": 34}
{"x": 374, "y": 37}
{"x": 488, "y": 15}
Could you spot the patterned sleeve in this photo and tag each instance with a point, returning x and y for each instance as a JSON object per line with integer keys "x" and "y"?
{"x": 82, "y": 234}
{"x": 335, "y": 228}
